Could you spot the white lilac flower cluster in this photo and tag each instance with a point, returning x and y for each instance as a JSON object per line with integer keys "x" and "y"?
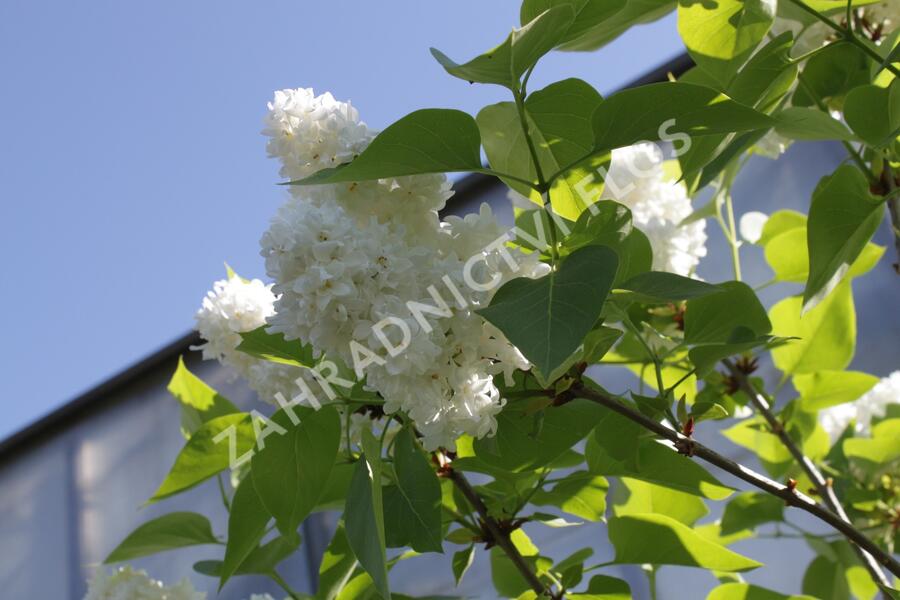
{"x": 637, "y": 179}
{"x": 873, "y": 404}
{"x": 125, "y": 583}
{"x": 351, "y": 261}
{"x": 236, "y": 306}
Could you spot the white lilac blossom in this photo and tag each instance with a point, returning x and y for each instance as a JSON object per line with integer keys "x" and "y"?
{"x": 234, "y": 306}
{"x": 751, "y": 225}
{"x": 309, "y": 132}
{"x": 871, "y": 405}
{"x": 126, "y": 583}
{"x": 772, "y": 145}
{"x": 348, "y": 259}
{"x": 637, "y": 179}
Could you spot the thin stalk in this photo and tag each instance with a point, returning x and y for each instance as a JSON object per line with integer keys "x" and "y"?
{"x": 222, "y": 493}
{"x": 284, "y": 585}
{"x": 501, "y": 539}
{"x": 657, "y": 366}
{"x": 502, "y": 175}
{"x": 732, "y": 238}
{"x": 348, "y": 417}
{"x": 823, "y": 488}
{"x": 893, "y": 202}
{"x": 461, "y": 519}
{"x": 807, "y": 55}
{"x": 682, "y": 380}
{"x": 847, "y": 34}
{"x": 600, "y": 566}
{"x": 543, "y": 188}
{"x": 538, "y": 485}
{"x": 532, "y": 149}
{"x": 791, "y": 496}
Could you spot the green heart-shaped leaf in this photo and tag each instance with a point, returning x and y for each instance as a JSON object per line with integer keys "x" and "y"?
{"x": 547, "y": 318}
{"x": 874, "y": 113}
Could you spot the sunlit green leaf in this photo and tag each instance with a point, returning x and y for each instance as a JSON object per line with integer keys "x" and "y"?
{"x": 635, "y": 12}
{"x": 337, "y": 565}
{"x": 580, "y": 493}
{"x": 247, "y": 521}
{"x": 827, "y": 333}
{"x": 881, "y": 448}
{"x": 174, "y": 530}
{"x": 462, "y": 560}
{"x": 505, "y": 64}
{"x": 750, "y": 509}
{"x": 639, "y": 497}
{"x": 199, "y": 402}
{"x": 661, "y": 540}
{"x": 589, "y": 14}
{"x": 604, "y": 587}
{"x": 272, "y": 346}
{"x": 746, "y": 591}
{"x": 732, "y": 315}
{"x": 811, "y": 124}
{"x": 293, "y": 465}
{"x": 649, "y": 112}
{"x": 720, "y": 36}
{"x": 431, "y": 140}
{"x": 617, "y": 449}
{"x": 215, "y": 446}
{"x": 843, "y": 218}
{"x": 830, "y": 388}
{"x": 559, "y": 122}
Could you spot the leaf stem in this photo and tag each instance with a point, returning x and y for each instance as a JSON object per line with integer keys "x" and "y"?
{"x": 222, "y": 493}
{"x": 822, "y": 486}
{"x": 284, "y": 585}
{"x": 650, "y": 571}
{"x": 791, "y": 497}
{"x": 661, "y": 390}
{"x": 893, "y": 202}
{"x": 733, "y": 237}
{"x": 500, "y": 538}
{"x": 501, "y": 175}
{"x": 543, "y": 188}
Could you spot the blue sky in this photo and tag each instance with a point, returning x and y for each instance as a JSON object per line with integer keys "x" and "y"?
{"x": 131, "y": 163}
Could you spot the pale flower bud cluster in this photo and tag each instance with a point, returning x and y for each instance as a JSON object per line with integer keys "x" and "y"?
{"x": 882, "y": 17}
{"x": 368, "y": 274}
{"x": 871, "y": 405}
{"x": 637, "y": 179}
{"x": 125, "y": 583}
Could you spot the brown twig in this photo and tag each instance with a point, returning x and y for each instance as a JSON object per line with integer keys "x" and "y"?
{"x": 825, "y": 491}
{"x": 791, "y": 497}
{"x": 500, "y": 538}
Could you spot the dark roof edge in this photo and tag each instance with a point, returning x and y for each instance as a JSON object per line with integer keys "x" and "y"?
{"x": 98, "y": 396}
{"x": 94, "y": 398}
